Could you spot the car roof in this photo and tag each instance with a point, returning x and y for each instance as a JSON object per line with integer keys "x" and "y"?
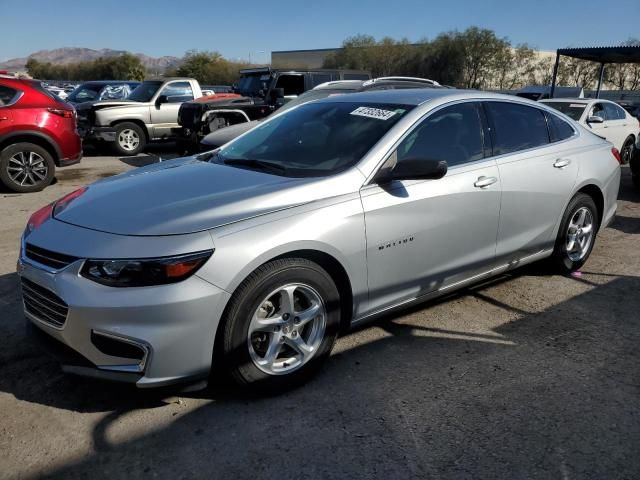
{"x": 418, "y": 96}
{"x": 585, "y": 101}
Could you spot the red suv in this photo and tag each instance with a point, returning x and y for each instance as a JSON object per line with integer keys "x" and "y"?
{"x": 37, "y": 134}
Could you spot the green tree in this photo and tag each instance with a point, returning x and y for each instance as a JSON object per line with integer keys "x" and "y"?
{"x": 209, "y": 68}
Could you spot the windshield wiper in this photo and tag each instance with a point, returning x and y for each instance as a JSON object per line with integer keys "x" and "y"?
{"x": 258, "y": 164}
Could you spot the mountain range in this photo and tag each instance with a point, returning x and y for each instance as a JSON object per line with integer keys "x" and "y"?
{"x": 74, "y": 55}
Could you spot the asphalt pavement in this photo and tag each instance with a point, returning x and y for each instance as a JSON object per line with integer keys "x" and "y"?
{"x": 528, "y": 376}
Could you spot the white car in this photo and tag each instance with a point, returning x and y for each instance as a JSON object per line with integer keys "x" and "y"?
{"x": 605, "y": 118}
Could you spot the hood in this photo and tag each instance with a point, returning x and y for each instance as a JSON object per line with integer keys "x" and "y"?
{"x": 100, "y": 104}
{"x": 180, "y": 196}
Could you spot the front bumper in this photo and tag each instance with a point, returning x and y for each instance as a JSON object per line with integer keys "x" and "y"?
{"x": 167, "y": 332}
{"x": 106, "y": 134}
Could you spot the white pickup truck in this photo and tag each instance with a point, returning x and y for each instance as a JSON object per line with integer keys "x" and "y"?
{"x": 149, "y": 114}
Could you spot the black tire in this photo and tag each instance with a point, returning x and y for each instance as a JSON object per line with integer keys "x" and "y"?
{"x": 36, "y": 178}
{"x": 247, "y": 299}
{"x": 129, "y": 133}
{"x": 560, "y": 257}
{"x": 627, "y": 150}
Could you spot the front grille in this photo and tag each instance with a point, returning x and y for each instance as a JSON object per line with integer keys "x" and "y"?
{"x": 43, "y": 304}
{"x": 47, "y": 257}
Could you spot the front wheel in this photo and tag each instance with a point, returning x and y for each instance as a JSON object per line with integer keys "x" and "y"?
{"x": 281, "y": 325}
{"x": 130, "y": 139}
{"x": 577, "y": 234}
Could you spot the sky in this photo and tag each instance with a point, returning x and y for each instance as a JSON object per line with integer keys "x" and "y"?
{"x": 251, "y": 29}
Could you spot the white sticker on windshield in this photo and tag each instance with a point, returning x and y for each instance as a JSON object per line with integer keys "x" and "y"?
{"x": 576, "y": 105}
{"x": 373, "y": 113}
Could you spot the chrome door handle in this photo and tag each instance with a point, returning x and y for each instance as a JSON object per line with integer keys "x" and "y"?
{"x": 484, "y": 182}
{"x": 561, "y": 162}
{"x": 4, "y": 118}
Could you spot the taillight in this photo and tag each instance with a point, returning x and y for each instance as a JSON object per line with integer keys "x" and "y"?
{"x": 61, "y": 112}
{"x": 616, "y": 154}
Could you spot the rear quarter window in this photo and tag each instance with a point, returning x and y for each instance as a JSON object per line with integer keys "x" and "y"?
{"x": 8, "y": 95}
{"x": 516, "y": 127}
{"x": 558, "y": 128}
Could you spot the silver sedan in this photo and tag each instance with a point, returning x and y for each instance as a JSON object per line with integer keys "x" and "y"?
{"x": 252, "y": 257}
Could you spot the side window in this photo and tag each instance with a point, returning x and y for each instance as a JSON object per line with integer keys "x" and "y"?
{"x": 453, "y": 134}
{"x": 613, "y": 112}
{"x": 517, "y": 127}
{"x": 559, "y": 129}
{"x": 292, "y": 84}
{"x": 179, "y": 91}
{"x": 7, "y": 95}
{"x": 599, "y": 111}
{"x": 319, "y": 78}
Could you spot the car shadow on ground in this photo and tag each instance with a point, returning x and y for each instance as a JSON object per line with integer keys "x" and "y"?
{"x": 550, "y": 394}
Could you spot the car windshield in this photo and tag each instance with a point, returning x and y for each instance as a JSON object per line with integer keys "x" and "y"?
{"x": 314, "y": 140}
{"x": 145, "y": 91}
{"x": 250, "y": 85}
{"x": 85, "y": 93}
{"x": 573, "y": 110}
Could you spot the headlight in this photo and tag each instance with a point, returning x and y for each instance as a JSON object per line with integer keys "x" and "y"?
{"x": 144, "y": 272}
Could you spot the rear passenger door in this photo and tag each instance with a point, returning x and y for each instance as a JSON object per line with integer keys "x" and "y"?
{"x": 616, "y": 124}
{"x": 538, "y": 169}
{"x": 426, "y": 235}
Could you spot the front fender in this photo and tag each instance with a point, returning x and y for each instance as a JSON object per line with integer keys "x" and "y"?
{"x": 337, "y": 230}
{"x": 110, "y": 116}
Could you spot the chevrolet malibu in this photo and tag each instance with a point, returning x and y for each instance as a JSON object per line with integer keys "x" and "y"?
{"x": 252, "y": 257}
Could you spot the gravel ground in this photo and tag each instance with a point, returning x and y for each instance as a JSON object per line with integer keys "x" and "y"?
{"x": 530, "y": 376}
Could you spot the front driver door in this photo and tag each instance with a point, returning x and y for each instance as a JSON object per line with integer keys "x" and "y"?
{"x": 164, "y": 113}
{"x": 425, "y": 235}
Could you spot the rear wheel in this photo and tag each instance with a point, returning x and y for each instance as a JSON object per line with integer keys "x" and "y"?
{"x": 26, "y": 167}
{"x": 627, "y": 150}
{"x": 577, "y": 234}
{"x": 130, "y": 139}
{"x": 281, "y": 325}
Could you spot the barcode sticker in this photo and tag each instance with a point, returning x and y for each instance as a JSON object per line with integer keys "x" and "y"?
{"x": 370, "y": 112}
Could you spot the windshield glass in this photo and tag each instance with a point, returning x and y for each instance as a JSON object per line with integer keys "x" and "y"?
{"x": 250, "y": 85}
{"x": 573, "y": 110}
{"x": 145, "y": 91}
{"x": 316, "y": 139}
{"x": 85, "y": 93}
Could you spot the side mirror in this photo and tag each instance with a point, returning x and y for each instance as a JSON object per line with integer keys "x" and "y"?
{"x": 595, "y": 119}
{"x": 414, "y": 169}
{"x": 161, "y": 99}
{"x": 276, "y": 96}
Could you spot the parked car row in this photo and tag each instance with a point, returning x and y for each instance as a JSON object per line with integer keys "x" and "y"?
{"x": 250, "y": 258}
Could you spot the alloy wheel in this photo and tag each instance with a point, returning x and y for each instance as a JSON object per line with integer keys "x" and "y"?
{"x": 626, "y": 153}
{"x": 27, "y": 169}
{"x": 579, "y": 234}
{"x": 129, "y": 139}
{"x": 287, "y": 329}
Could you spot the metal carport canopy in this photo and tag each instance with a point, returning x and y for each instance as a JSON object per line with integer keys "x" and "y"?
{"x": 601, "y": 55}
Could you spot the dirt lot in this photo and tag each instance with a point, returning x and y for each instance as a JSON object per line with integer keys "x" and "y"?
{"x": 528, "y": 376}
